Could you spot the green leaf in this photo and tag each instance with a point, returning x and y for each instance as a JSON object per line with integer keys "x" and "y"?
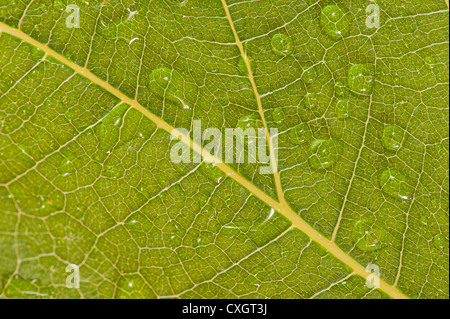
{"x": 93, "y": 206}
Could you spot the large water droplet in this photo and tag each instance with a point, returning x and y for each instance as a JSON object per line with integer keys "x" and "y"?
{"x": 301, "y": 133}
{"x": 342, "y": 109}
{"x": 395, "y": 184}
{"x": 324, "y": 154}
{"x": 392, "y": 137}
{"x": 282, "y": 44}
{"x": 361, "y": 78}
{"x": 334, "y": 22}
{"x": 367, "y": 237}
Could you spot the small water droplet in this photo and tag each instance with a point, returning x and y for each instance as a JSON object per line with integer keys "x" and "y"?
{"x": 342, "y": 109}
{"x": 301, "y": 133}
{"x": 361, "y": 78}
{"x": 367, "y": 237}
{"x": 212, "y": 172}
{"x": 395, "y": 184}
{"x": 335, "y": 23}
{"x": 66, "y": 167}
{"x": 392, "y": 137}
{"x": 113, "y": 11}
{"x": 242, "y": 66}
{"x": 169, "y": 84}
{"x": 339, "y": 88}
{"x": 430, "y": 60}
{"x": 310, "y": 101}
{"x": 113, "y": 171}
{"x": 309, "y": 75}
{"x": 439, "y": 241}
{"x": 250, "y": 121}
{"x": 282, "y": 44}
{"x": 324, "y": 154}
{"x": 278, "y": 115}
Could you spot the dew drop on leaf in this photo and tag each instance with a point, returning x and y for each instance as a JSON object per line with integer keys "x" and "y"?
{"x": 339, "y": 88}
{"x": 310, "y": 101}
{"x": 212, "y": 172}
{"x": 334, "y": 22}
{"x": 324, "y": 154}
{"x": 309, "y": 75}
{"x": 342, "y": 109}
{"x": 300, "y": 134}
{"x": 66, "y": 167}
{"x": 430, "y": 60}
{"x": 439, "y": 241}
{"x": 395, "y": 184}
{"x": 282, "y": 44}
{"x": 361, "y": 78}
{"x": 113, "y": 171}
{"x": 169, "y": 84}
{"x": 250, "y": 121}
{"x": 278, "y": 115}
{"x": 367, "y": 237}
{"x": 242, "y": 66}
{"x": 392, "y": 137}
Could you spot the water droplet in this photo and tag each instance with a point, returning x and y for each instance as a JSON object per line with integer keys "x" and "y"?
{"x": 367, "y": 237}
{"x": 395, "y": 184}
{"x": 22, "y": 288}
{"x": 396, "y": 80}
{"x": 342, "y": 109}
{"x": 282, "y": 44}
{"x": 324, "y": 154}
{"x": 66, "y": 167}
{"x": 339, "y": 88}
{"x": 36, "y": 53}
{"x": 361, "y": 78}
{"x": 169, "y": 84}
{"x": 58, "y": 5}
{"x": 113, "y": 11}
{"x": 250, "y": 121}
{"x": 242, "y": 66}
{"x": 430, "y": 60}
{"x": 212, "y": 172}
{"x": 113, "y": 171}
{"x": 301, "y": 133}
{"x": 309, "y": 75}
{"x": 399, "y": 104}
{"x": 439, "y": 241}
{"x": 392, "y": 137}
{"x": 278, "y": 115}
{"x": 334, "y": 22}
{"x": 310, "y": 101}
{"x": 133, "y": 287}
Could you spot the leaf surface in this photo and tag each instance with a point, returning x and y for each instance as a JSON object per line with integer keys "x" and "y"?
{"x": 87, "y": 119}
